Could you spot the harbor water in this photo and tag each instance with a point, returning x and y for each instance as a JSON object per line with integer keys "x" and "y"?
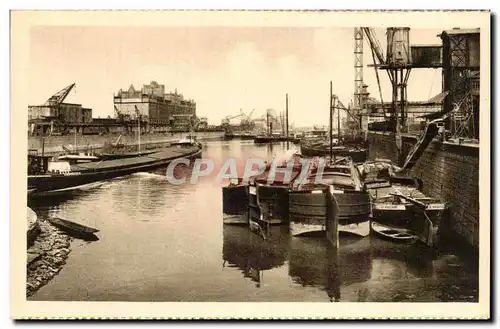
{"x": 164, "y": 242}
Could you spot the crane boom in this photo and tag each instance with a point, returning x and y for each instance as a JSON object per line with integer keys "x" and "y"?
{"x": 251, "y": 112}
{"x": 60, "y": 96}
{"x": 374, "y": 44}
{"x": 229, "y": 117}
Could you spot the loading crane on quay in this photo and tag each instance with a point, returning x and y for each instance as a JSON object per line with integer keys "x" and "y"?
{"x": 227, "y": 119}
{"x": 247, "y": 123}
{"x": 398, "y": 63}
{"x": 56, "y": 100}
{"x": 51, "y": 112}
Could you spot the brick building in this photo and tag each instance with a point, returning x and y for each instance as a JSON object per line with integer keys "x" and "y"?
{"x": 156, "y": 106}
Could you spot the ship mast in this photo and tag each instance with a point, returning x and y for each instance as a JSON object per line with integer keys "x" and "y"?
{"x": 338, "y": 123}
{"x": 331, "y": 122}
{"x": 138, "y": 128}
{"x": 286, "y": 114}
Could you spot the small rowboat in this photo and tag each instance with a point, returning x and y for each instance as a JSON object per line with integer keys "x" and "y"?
{"x": 72, "y": 228}
{"x": 395, "y": 234}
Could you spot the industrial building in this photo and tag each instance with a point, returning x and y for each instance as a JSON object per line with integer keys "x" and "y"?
{"x": 149, "y": 109}
{"x": 57, "y": 117}
{"x": 155, "y": 107}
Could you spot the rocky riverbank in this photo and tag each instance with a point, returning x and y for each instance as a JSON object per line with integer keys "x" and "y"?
{"x": 46, "y": 256}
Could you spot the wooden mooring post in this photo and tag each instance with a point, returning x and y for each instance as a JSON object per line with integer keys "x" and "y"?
{"x": 332, "y": 208}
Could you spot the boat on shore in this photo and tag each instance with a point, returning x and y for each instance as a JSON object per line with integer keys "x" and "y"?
{"x": 52, "y": 177}
{"x": 72, "y": 228}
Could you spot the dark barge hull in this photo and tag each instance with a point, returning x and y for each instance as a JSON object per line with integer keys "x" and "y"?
{"x": 354, "y": 212}
{"x": 230, "y": 136}
{"x": 308, "y": 212}
{"x": 235, "y": 204}
{"x": 268, "y": 139}
{"x": 357, "y": 155}
{"x": 273, "y": 202}
{"x": 246, "y": 137}
{"x": 48, "y": 184}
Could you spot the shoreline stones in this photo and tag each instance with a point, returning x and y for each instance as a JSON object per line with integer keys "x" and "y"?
{"x": 46, "y": 256}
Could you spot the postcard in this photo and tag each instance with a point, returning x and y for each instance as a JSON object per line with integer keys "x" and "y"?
{"x": 250, "y": 164}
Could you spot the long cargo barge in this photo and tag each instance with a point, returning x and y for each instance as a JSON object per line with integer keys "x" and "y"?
{"x": 59, "y": 177}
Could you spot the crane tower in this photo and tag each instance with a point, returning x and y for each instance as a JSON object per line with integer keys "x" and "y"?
{"x": 358, "y": 70}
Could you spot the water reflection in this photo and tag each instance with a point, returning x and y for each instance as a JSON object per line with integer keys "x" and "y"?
{"x": 397, "y": 261}
{"x": 313, "y": 262}
{"x": 253, "y": 255}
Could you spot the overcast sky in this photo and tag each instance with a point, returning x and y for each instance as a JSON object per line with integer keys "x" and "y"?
{"x": 223, "y": 69}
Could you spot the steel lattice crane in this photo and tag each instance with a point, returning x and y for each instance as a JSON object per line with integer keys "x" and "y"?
{"x": 246, "y": 122}
{"x": 398, "y": 76}
{"x": 227, "y": 119}
{"x": 59, "y": 97}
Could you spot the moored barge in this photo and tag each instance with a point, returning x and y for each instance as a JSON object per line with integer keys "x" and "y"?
{"x": 235, "y": 200}
{"x": 352, "y": 202}
{"x": 52, "y": 177}
{"x": 399, "y": 204}
{"x": 313, "y": 149}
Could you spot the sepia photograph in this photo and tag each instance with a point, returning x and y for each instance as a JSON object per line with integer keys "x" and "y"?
{"x": 267, "y": 159}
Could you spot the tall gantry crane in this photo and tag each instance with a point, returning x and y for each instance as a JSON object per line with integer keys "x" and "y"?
{"x": 397, "y": 62}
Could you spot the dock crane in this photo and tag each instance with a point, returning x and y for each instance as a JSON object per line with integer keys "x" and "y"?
{"x": 55, "y": 100}
{"x": 398, "y": 73}
{"x": 54, "y": 104}
{"x": 247, "y": 123}
{"x": 122, "y": 117}
{"x": 227, "y": 119}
